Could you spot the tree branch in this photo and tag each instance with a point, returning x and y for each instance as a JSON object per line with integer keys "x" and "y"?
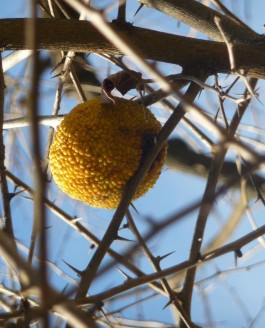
{"x": 79, "y": 227}
{"x": 136, "y": 282}
{"x": 206, "y": 206}
{"x": 81, "y": 36}
{"x": 201, "y": 18}
{"x": 8, "y": 224}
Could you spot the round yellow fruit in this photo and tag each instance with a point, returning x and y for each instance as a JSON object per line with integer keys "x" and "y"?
{"x": 99, "y": 146}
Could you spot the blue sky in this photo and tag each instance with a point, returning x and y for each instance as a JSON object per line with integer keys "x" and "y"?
{"x": 173, "y": 192}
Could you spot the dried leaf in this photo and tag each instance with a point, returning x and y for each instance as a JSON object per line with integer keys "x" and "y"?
{"x": 123, "y": 81}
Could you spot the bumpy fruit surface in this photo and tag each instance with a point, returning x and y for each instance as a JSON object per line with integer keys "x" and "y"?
{"x": 98, "y": 147}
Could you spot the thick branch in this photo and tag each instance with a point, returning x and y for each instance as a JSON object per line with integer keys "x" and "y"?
{"x": 81, "y": 36}
{"x": 201, "y": 18}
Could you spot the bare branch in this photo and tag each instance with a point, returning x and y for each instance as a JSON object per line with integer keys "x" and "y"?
{"x": 228, "y": 13}
{"x": 14, "y": 58}
{"x": 8, "y": 224}
{"x": 39, "y": 225}
{"x": 201, "y": 18}
{"x": 81, "y": 36}
{"x": 132, "y": 283}
{"x": 215, "y": 170}
{"x": 155, "y": 262}
{"x": 78, "y": 226}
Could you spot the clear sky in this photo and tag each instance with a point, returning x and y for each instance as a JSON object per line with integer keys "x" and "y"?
{"x": 229, "y": 294}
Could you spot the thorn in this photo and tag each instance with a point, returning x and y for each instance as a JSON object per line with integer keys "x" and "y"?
{"x": 27, "y": 198}
{"x": 96, "y": 307}
{"x": 65, "y": 295}
{"x": 57, "y": 66}
{"x": 76, "y": 219}
{"x": 167, "y": 304}
{"x": 79, "y": 273}
{"x": 134, "y": 208}
{"x": 104, "y": 314}
{"x": 14, "y": 194}
{"x": 64, "y": 289}
{"x": 139, "y": 8}
{"x": 92, "y": 246}
{"x": 56, "y": 75}
{"x": 160, "y": 258}
{"x": 25, "y": 303}
{"x": 123, "y": 273}
{"x": 124, "y": 226}
{"x": 238, "y": 253}
{"x": 122, "y": 238}
{"x": 48, "y": 227}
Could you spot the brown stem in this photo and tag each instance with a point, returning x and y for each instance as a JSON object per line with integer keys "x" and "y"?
{"x": 155, "y": 262}
{"x": 76, "y": 225}
{"x": 206, "y": 206}
{"x": 8, "y": 224}
{"x": 39, "y": 224}
{"x": 136, "y": 282}
{"x": 81, "y": 36}
{"x": 201, "y": 18}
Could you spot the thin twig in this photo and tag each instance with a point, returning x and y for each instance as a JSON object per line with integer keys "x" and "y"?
{"x": 20, "y": 122}
{"x": 39, "y": 179}
{"x": 14, "y": 58}
{"x": 197, "y": 240}
{"x": 228, "y": 13}
{"x": 77, "y": 85}
{"x": 159, "y": 95}
{"x": 183, "y": 266}
{"x": 245, "y": 203}
{"x": 8, "y": 224}
{"x": 228, "y": 228}
{"x": 221, "y": 104}
{"x": 201, "y": 18}
{"x": 206, "y": 206}
{"x": 203, "y": 85}
{"x": 174, "y": 218}
{"x": 230, "y": 48}
{"x": 78, "y": 226}
{"x": 228, "y": 42}
{"x": 155, "y": 262}
{"x": 51, "y": 7}
{"x": 57, "y": 102}
{"x": 31, "y": 280}
{"x": 119, "y": 41}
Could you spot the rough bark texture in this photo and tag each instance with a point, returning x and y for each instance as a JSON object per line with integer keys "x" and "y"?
{"x": 201, "y": 18}
{"x": 81, "y": 36}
